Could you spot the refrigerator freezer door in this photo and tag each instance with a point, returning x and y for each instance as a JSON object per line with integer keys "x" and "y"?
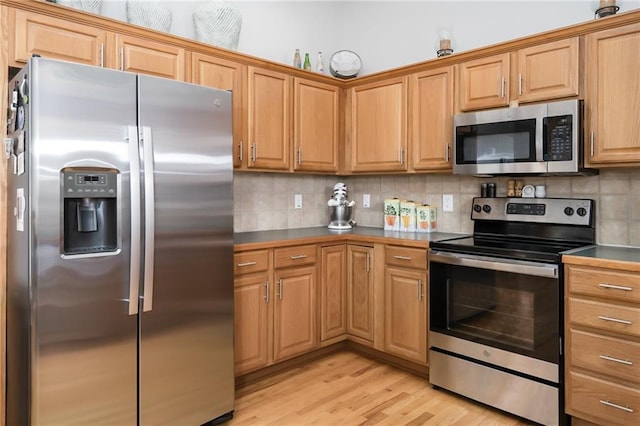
{"x": 69, "y": 315}
{"x": 186, "y": 329}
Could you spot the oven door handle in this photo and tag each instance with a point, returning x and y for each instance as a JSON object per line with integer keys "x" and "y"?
{"x": 495, "y": 264}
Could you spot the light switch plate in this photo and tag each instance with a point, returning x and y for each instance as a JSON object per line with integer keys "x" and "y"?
{"x": 366, "y": 201}
{"x": 297, "y": 201}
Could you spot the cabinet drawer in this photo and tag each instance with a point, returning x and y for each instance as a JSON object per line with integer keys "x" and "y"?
{"x": 608, "y": 401}
{"x": 406, "y": 256}
{"x": 250, "y": 261}
{"x": 606, "y": 355}
{"x": 294, "y": 256}
{"x": 604, "y": 316}
{"x": 604, "y": 283}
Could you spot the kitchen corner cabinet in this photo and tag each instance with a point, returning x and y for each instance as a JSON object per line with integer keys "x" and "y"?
{"x": 149, "y": 57}
{"x": 333, "y": 300}
{"x": 54, "y": 38}
{"x": 294, "y": 309}
{"x": 315, "y": 126}
{"x": 430, "y": 118}
{"x": 360, "y": 294}
{"x": 406, "y": 303}
{"x": 268, "y": 119}
{"x": 602, "y": 333}
{"x": 253, "y": 329}
{"x": 542, "y": 72}
{"x": 377, "y": 123}
{"x": 612, "y": 99}
{"x": 222, "y": 74}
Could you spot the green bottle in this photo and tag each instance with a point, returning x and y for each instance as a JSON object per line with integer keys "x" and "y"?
{"x": 307, "y": 62}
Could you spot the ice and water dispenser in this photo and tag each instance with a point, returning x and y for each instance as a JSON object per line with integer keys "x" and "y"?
{"x": 90, "y": 210}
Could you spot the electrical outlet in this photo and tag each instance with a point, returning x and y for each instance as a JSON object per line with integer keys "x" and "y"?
{"x": 366, "y": 201}
{"x": 447, "y": 202}
{"x": 297, "y": 201}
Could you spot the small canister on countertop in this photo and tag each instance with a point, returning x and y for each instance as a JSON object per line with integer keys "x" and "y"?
{"x": 392, "y": 214}
{"x": 426, "y": 218}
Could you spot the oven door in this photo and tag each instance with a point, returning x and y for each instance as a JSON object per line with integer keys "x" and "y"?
{"x": 480, "y": 302}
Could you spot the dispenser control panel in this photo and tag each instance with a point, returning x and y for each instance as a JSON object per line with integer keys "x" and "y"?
{"x": 89, "y": 184}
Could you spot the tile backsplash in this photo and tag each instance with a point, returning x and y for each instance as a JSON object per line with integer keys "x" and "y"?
{"x": 264, "y": 201}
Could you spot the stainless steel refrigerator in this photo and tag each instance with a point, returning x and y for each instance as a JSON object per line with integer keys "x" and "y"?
{"x": 120, "y": 249}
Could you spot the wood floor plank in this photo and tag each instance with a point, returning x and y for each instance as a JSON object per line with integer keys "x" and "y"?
{"x": 346, "y": 389}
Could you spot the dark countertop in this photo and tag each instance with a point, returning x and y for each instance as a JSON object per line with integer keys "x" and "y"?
{"x": 627, "y": 258}
{"x": 251, "y": 240}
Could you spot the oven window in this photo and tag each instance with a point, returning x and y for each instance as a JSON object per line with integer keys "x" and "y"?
{"x": 510, "y": 311}
{"x": 505, "y": 142}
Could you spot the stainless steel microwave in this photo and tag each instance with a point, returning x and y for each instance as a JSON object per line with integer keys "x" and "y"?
{"x": 533, "y": 139}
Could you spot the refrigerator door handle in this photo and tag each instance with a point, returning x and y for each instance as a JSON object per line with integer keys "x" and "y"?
{"x": 149, "y": 218}
{"x": 134, "y": 272}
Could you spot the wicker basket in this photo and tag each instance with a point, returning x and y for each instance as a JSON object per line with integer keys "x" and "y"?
{"x": 217, "y": 24}
{"x": 154, "y": 15}
{"x": 93, "y": 6}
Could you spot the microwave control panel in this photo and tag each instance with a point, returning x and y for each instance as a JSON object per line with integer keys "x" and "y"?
{"x": 558, "y": 138}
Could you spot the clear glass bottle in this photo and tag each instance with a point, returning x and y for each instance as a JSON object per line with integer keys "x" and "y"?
{"x": 297, "y": 62}
{"x": 320, "y": 64}
{"x": 307, "y": 62}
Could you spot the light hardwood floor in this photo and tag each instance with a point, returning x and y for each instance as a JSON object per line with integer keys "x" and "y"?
{"x": 346, "y": 388}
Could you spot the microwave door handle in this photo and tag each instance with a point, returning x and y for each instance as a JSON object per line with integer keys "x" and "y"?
{"x": 134, "y": 178}
{"x": 149, "y": 218}
{"x": 495, "y": 264}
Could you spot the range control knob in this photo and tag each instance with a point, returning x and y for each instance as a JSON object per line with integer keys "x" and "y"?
{"x": 581, "y": 211}
{"x": 486, "y": 208}
{"x": 568, "y": 211}
{"x": 477, "y": 208}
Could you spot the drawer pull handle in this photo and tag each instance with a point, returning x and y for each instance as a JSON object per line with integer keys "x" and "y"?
{"x": 619, "y": 407}
{"x": 402, "y": 257}
{"x": 299, "y": 256}
{"x": 621, "y": 361}
{"x": 240, "y": 265}
{"x": 621, "y": 321}
{"x": 615, "y": 287}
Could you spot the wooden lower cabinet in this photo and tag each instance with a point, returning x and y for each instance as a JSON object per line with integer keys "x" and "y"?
{"x": 405, "y": 303}
{"x": 252, "y": 330}
{"x": 294, "y": 312}
{"x": 602, "y": 311}
{"x": 333, "y": 286}
{"x": 360, "y": 300}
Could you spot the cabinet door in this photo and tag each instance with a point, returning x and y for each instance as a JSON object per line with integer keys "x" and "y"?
{"x": 360, "y": 305}
{"x": 406, "y": 313}
{"x": 226, "y": 75}
{"x": 612, "y": 99}
{"x": 333, "y": 314}
{"x": 548, "y": 71}
{"x": 148, "y": 57}
{"x": 484, "y": 83}
{"x": 251, "y": 322}
{"x": 315, "y": 126}
{"x": 294, "y": 319}
{"x": 378, "y": 134}
{"x": 430, "y": 116}
{"x": 57, "y": 39}
{"x": 268, "y": 119}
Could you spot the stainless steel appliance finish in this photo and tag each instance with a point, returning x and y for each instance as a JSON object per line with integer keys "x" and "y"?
{"x": 496, "y": 298}
{"x": 541, "y": 139}
{"x": 120, "y": 284}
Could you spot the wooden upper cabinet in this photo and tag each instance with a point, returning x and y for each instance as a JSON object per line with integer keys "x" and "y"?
{"x": 430, "y": 118}
{"x": 226, "y": 75}
{"x": 612, "y": 127}
{"x": 268, "y": 118}
{"x": 55, "y": 38}
{"x": 138, "y": 55}
{"x": 315, "y": 126}
{"x": 550, "y": 70}
{"x": 377, "y": 137}
{"x": 484, "y": 83}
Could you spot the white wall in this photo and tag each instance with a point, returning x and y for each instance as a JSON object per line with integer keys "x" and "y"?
{"x": 386, "y": 34}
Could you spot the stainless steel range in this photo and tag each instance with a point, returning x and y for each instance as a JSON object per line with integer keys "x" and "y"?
{"x": 496, "y": 299}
